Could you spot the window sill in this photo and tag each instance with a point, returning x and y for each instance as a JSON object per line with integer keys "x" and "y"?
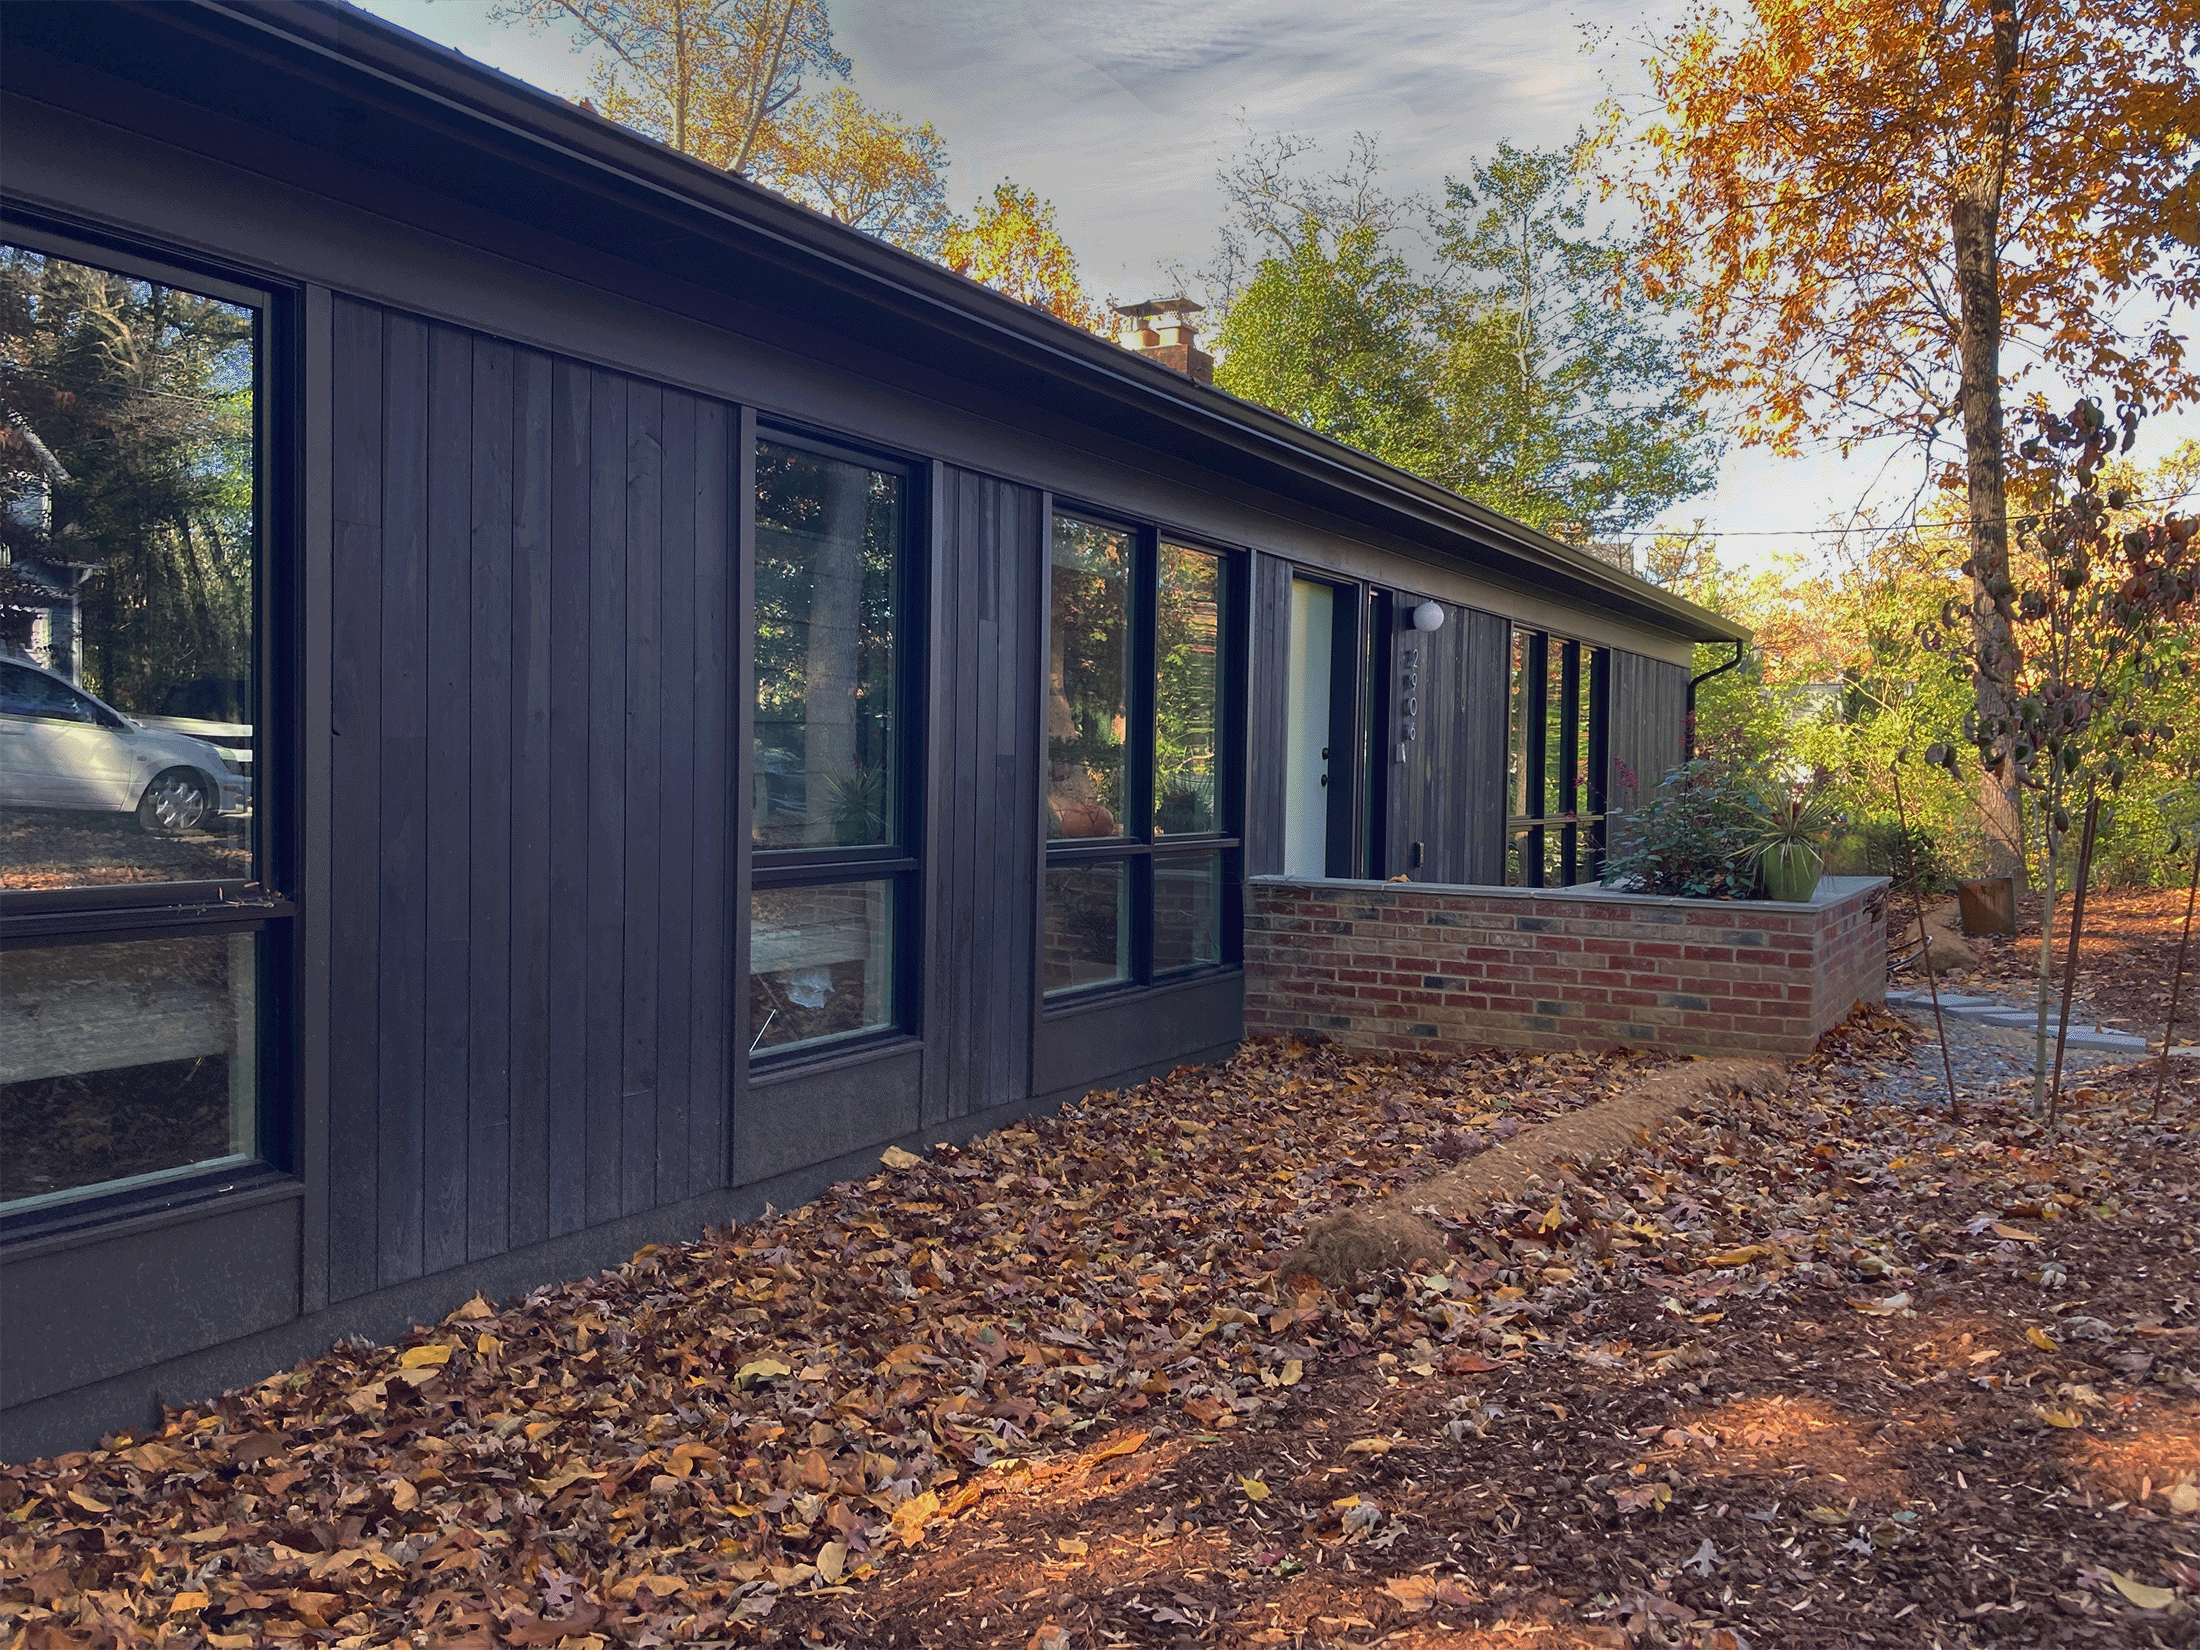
{"x": 767, "y": 1069}
{"x": 1071, "y": 1004}
{"x": 212, "y": 906}
{"x": 96, "y": 1220}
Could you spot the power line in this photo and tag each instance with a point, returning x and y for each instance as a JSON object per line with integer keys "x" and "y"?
{"x": 1952, "y": 530}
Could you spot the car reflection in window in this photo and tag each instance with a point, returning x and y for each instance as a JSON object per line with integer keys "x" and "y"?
{"x": 62, "y": 748}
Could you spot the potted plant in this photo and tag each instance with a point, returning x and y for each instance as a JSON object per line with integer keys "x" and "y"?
{"x": 1788, "y": 828}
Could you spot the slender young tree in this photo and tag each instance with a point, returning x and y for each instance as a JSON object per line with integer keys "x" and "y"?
{"x": 1889, "y": 214}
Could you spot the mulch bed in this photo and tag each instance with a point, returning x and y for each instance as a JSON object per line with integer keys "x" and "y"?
{"x": 2125, "y": 959}
{"x": 1813, "y": 1371}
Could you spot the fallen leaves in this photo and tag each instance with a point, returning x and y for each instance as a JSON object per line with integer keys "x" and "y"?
{"x": 792, "y": 1406}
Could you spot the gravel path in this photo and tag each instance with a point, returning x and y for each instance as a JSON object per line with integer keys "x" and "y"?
{"x": 1985, "y": 1057}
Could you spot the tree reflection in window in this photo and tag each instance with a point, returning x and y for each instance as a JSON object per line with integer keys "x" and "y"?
{"x": 828, "y": 534}
{"x": 1187, "y": 691}
{"x": 1088, "y": 659}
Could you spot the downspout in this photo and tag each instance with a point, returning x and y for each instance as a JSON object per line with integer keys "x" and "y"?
{"x": 1694, "y": 682}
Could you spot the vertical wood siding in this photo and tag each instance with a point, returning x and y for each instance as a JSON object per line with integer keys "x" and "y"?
{"x": 982, "y": 837}
{"x": 531, "y": 581}
{"x": 1448, "y": 794}
{"x": 1648, "y": 704}
{"x": 1270, "y": 633}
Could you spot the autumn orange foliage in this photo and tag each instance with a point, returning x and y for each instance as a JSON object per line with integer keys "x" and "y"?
{"x": 1865, "y": 199}
{"x": 1013, "y": 245}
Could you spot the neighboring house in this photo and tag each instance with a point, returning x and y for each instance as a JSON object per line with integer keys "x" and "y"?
{"x": 725, "y": 696}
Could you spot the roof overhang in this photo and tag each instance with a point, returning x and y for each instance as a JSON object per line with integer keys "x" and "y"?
{"x": 342, "y": 80}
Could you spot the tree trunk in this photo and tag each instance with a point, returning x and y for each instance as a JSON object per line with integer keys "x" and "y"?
{"x": 1975, "y": 223}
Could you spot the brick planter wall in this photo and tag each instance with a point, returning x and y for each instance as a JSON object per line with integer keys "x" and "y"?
{"x": 1410, "y": 966}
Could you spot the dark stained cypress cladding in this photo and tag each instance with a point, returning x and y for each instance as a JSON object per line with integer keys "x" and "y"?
{"x": 982, "y": 835}
{"x": 1648, "y": 704}
{"x": 1483, "y": 689}
{"x": 532, "y": 575}
{"x": 1264, "y": 720}
{"x": 1448, "y": 793}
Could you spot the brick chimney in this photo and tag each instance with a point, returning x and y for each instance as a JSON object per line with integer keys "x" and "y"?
{"x": 1161, "y": 331}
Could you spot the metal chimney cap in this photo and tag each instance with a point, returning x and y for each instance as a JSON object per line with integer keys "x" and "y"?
{"x": 1179, "y": 305}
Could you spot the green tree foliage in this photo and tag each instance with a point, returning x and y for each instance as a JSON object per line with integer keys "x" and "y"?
{"x": 1516, "y": 364}
{"x": 126, "y": 461}
{"x": 1331, "y": 333}
{"x": 1561, "y": 399}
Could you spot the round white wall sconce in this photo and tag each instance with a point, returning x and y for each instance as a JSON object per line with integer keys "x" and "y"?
{"x": 1428, "y": 616}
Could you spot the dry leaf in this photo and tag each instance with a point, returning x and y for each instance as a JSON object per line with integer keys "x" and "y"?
{"x": 2147, "y": 1598}
{"x": 1255, "y": 1489}
{"x": 895, "y": 1158}
{"x": 1884, "y": 1308}
{"x": 2042, "y": 1339}
{"x": 910, "y": 1517}
{"x": 1129, "y": 1444}
{"x": 1413, "y": 1594}
{"x": 424, "y": 1357}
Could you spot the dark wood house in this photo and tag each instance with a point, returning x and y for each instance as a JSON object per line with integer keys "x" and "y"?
{"x": 597, "y": 699}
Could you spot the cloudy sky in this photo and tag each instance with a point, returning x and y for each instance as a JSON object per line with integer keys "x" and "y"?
{"x": 1120, "y": 113}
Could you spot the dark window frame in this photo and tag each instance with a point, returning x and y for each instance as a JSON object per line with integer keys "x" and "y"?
{"x": 266, "y": 903}
{"x": 1580, "y": 823}
{"x": 1141, "y": 848}
{"x": 900, "y": 863}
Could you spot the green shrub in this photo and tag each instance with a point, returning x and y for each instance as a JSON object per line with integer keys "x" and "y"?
{"x": 1693, "y": 838}
{"x": 1878, "y": 848}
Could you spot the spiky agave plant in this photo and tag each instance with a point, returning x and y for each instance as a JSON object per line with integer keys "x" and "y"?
{"x": 1787, "y": 825}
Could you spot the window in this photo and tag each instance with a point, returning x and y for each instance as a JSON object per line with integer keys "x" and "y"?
{"x": 132, "y": 578}
{"x": 1139, "y": 868}
{"x": 830, "y": 761}
{"x": 1555, "y": 762}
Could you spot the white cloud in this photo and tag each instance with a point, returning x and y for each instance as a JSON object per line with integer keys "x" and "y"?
{"x": 1120, "y": 113}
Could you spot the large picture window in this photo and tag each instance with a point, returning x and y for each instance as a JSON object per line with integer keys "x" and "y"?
{"x": 830, "y": 821}
{"x": 1139, "y": 862}
{"x": 132, "y": 703}
{"x": 1555, "y": 762}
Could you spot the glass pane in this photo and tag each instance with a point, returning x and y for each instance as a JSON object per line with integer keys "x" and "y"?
{"x": 128, "y": 527}
{"x": 828, "y": 540}
{"x": 1554, "y": 722}
{"x": 1088, "y": 932}
{"x": 821, "y": 963}
{"x": 1187, "y": 911}
{"x": 121, "y": 1062}
{"x": 1087, "y": 674}
{"x": 1187, "y": 692}
{"x": 1555, "y": 840}
{"x": 1587, "y": 797}
{"x": 1516, "y": 749}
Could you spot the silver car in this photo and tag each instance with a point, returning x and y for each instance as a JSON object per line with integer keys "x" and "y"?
{"x": 62, "y": 748}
